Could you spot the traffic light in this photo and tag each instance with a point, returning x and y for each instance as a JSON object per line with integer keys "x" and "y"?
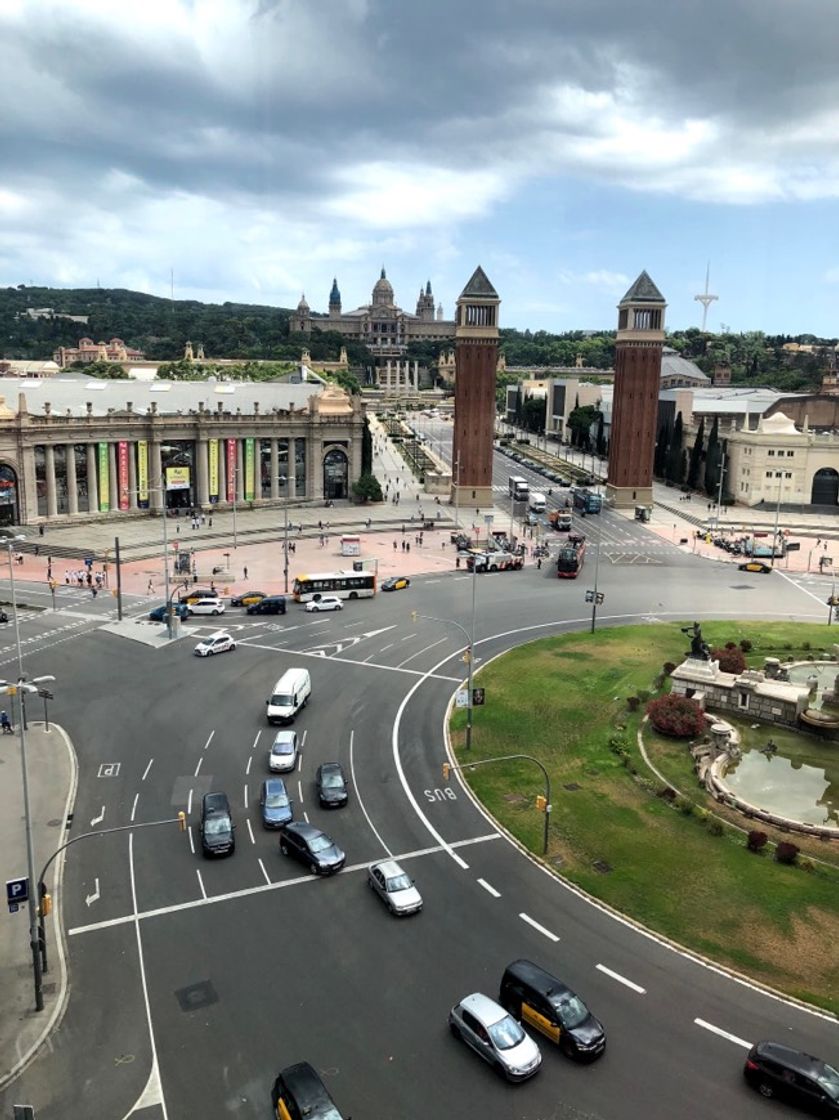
{"x": 182, "y": 820}
{"x": 447, "y": 770}
{"x": 467, "y": 656}
{"x": 46, "y": 905}
{"x": 589, "y": 596}
{"x": 541, "y": 803}
{"x": 598, "y": 598}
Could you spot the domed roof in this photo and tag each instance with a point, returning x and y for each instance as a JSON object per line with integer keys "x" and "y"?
{"x": 383, "y": 290}
{"x": 302, "y": 305}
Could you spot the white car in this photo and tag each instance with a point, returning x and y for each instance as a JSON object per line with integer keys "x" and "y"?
{"x": 206, "y": 606}
{"x": 283, "y": 754}
{"x": 394, "y": 887}
{"x": 325, "y": 603}
{"x": 219, "y": 642}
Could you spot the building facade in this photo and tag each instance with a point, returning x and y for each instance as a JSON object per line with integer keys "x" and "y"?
{"x": 89, "y": 351}
{"x": 83, "y": 448}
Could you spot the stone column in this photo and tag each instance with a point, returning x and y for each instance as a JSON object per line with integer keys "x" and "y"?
{"x": 27, "y": 486}
{"x": 222, "y": 470}
{"x": 416, "y": 376}
{"x": 240, "y": 471}
{"x": 314, "y": 468}
{"x": 72, "y": 483}
{"x": 49, "y": 468}
{"x": 275, "y": 470}
{"x": 92, "y": 479}
{"x": 132, "y": 476}
{"x": 156, "y": 479}
{"x": 291, "y": 468}
{"x": 202, "y": 454}
{"x": 113, "y": 486}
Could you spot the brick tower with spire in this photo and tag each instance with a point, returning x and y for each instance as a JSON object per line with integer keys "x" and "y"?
{"x": 476, "y": 356}
{"x": 638, "y": 349}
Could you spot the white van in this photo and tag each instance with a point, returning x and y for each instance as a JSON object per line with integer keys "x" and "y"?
{"x": 290, "y": 694}
{"x": 537, "y": 502}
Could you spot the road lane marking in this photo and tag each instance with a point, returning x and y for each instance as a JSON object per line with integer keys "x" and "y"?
{"x": 246, "y": 795}
{"x": 306, "y": 818}
{"x": 198, "y": 767}
{"x": 359, "y": 799}
{"x": 201, "y": 884}
{"x": 212, "y": 733}
{"x": 256, "y": 740}
{"x": 723, "y": 1034}
{"x": 191, "y": 841}
{"x": 489, "y": 889}
{"x": 250, "y": 830}
{"x": 622, "y": 979}
{"x": 248, "y": 767}
{"x": 368, "y": 664}
{"x": 419, "y": 652}
{"x": 146, "y": 771}
{"x": 300, "y": 791}
{"x": 134, "y": 806}
{"x": 99, "y": 819}
{"x": 541, "y": 929}
{"x": 388, "y": 646}
{"x": 246, "y": 892}
{"x": 264, "y": 872}
{"x": 189, "y": 804}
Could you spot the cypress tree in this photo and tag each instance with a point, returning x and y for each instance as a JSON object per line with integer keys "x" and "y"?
{"x": 696, "y": 456}
{"x": 712, "y": 461}
{"x": 674, "y": 452}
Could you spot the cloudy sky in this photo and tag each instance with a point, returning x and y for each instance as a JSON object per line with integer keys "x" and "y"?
{"x": 260, "y": 147}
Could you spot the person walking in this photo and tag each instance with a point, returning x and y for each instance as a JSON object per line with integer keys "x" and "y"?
{"x": 150, "y": 588}
{"x": 245, "y": 572}
{"x": 6, "y": 723}
{"x": 394, "y": 546}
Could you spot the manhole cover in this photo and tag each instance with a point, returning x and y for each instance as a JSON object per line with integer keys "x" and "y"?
{"x": 54, "y": 824}
{"x": 602, "y": 866}
{"x": 197, "y": 996}
{"x": 572, "y": 786}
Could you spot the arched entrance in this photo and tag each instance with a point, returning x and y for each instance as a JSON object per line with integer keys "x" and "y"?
{"x": 9, "y": 511}
{"x": 335, "y": 474}
{"x": 825, "y": 487}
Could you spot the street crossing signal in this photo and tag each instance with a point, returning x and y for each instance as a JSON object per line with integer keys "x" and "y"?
{"x": 589, "y": 596}
{"x": 182, "y": 821}
{"x": 447, "y": 770}
{"x": 541, "y": 803}
{"x": 467, "y": 656}
{"x": 598, "y": 598}
{"x": 46, "y": 904}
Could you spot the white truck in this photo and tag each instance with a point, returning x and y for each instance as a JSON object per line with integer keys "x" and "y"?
{"x": 538, "y": 502}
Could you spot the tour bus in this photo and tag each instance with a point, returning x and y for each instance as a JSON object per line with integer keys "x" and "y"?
{"x": 518, "y": 488}
{"x": 344, "y": 585}
{"x": 569, "y": 561}
{"x": 586, "y": 500}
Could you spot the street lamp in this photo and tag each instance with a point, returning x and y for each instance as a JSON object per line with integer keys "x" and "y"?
{"x": 469, "y": 655}
{"x": 283, "y": 481}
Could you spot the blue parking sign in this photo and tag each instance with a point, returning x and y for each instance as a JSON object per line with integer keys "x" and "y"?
{"x": 17, "y": 891}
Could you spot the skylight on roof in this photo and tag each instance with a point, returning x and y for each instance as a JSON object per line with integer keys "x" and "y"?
{"x": 95, "y": 386}
{"x": 225, "y": 387}
{"x": 159, "y": 386}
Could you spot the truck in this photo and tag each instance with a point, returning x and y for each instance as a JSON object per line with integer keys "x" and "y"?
{"x": 560, "y": 520}
{"x": 537, "y": 502}
{"x": 498, "y": 561}
{"x": 518, "y": 488}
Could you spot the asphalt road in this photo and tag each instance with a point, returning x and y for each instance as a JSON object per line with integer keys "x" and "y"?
{"x": 193, "y": 981}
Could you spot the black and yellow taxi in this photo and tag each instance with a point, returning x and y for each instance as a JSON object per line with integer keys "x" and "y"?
{"x": 755, "y": 566}
{"x": 395, "y": 583}
{"x": 299, "y": 1094}
{"x": 248, "y": 598}
{"x": 535, "y": 997}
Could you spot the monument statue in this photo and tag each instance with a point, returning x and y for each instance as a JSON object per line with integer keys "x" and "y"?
{"x": 699, "y": 649}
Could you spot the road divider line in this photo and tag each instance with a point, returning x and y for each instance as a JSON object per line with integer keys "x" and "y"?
{"x": 248, "y": 767}
{"x": 246, "y": 795}
{"x": 212, "y": 733}
{"x": 723, "y": 1034}
{"x": 531, "y": 922}
{"x": 201, "y": 884}
{"x": 264, "y": 872}
{"x": 189, "y": 804}
{"x": 191, "y": 841}
{"x": 489, "y": 889}
{"x": 373, "y": 828}
{"x": 198, "y": 767}
{"x": 255, "y": 740}
{"x": 134, "y": 806}
{"x": 250, "y": 830}
{"x": 306, "y": 818}
{"x": 622, "y": 979}
{"x": 146, "y": 771}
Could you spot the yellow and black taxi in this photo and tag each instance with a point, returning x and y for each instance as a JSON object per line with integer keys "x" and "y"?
{"x": 248, "y": 598}
{"x": 299, "y": 1093}
{"x": 755, "y": 566}
{"x": 193, "y": 594}
{"x": 395, "y": 583}
{"x": 539, "y": 999}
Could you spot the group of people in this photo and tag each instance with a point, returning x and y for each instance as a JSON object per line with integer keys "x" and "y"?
{"x": 82, "y": 577}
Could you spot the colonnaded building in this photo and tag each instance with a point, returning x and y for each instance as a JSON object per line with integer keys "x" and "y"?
{"x": 79, "y": 447}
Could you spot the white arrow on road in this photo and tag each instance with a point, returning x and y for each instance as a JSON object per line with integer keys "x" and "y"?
{"x": 95, "y": 896}
{"x": 99, "y": 819}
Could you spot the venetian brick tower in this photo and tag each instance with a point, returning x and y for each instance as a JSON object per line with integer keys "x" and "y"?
{"x": 476, "y": 357}
{"x": 635, "y": 403}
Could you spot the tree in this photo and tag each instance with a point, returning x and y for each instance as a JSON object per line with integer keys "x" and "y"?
{"x": 600, "y": 443}
{"x": 367, "y": 489}
{"x": 674, "y": 452}
{"x": 696, "y": 456}
{"x": 111, "y": 371}
{"x": 580, "y": 422}
{"x": 366, "y": 449}
{"x": 712, "y": 461}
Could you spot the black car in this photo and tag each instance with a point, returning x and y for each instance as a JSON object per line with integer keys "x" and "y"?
{"x": 543, "y": 1002}
{"x": 331, "y": 784}
{"x": 311, "y": 846}
{"x": 271, "y": 604}
{"x": 792, "y": 1076}
{"x": 299, "y": 1091}
{"x": 217, "y": 828}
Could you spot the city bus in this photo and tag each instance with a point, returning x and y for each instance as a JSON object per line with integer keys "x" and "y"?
{"x": 586, "y": 500}
{"x": 518, "y": 488}
{"x": 569, "y": 561}
{"x": 345, "y": 585}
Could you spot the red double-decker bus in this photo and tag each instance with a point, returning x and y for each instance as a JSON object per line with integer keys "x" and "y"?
{"x": 569, "y": 561}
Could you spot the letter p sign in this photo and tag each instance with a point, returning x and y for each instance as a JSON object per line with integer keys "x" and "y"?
{"x": 17, "y": 892}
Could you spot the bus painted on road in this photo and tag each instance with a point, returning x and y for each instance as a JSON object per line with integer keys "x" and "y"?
{"x": 345, "y": 585}
{"x": 569, "y": 561}
{"x": 587, "y": 501}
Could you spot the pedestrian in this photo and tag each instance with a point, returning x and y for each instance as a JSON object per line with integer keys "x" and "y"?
{"x": 369, "y": 522}
{"x": 41, "y": 530}
{"x": 539, "y": 562}
{"x": 407, "y": 546}
{"x": 457, "y": 560}
{"x": 150, "y": 588}
{"x": 403, "y": 528}
{"x": 320, "y": 524}
{"x": 394, "y": 546}
{"x": 203, "y": 518}
{"x": 245, "y": 572}
{"x": 6, "y": 723}
{"x": 94, "y": 591}
{"x": 210, "y": 519}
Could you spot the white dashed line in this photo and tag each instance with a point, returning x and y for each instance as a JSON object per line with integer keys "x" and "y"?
{"x": 201, "y": 883}
{"x": 264, "y": 872}
{"x": 306, "y": 817}
{"x": 146, "y": 771}
{"x": 622, "y": 979}
{"x": 191, "y": 841}
{"x": 189, "y": 804}
{"x": 723, "y": 1034}
{"x": 198, "y": 767}
{"x": 134, "y": 806}
{"x": 250, "y": 830}
{"x": 248, "y": 767}
{"x": 212, "y": 733}
{"x": 246, "y": 796}
{"x": 541, "y": 929}
{"x": 359, "y": 800}
{"x": 489, "y": 889}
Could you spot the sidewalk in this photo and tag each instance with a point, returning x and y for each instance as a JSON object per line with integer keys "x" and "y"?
{"x": 52, "y": 780}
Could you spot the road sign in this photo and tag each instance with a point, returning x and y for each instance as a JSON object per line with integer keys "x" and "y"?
{"x": 17, "y": 892}
{"x": 45, "y": 694}
{"x": 589, "y": 596}
{"x": 461, "y": 698}
{"x": 793, "y": 546}
{"x": 478, "y": 697}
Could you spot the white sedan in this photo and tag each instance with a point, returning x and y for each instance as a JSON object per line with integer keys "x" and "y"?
{"x": 325, "y": 603}
{"x": 219, "y": 642}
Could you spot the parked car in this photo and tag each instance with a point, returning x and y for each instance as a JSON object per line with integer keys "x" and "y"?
{"x": 217, "y": 829}
{"x": 496, "y": 1036}
{"x": 158, "y": 614}
{"x": 325, "y": 603}
{"x": 247, "y": 598}
{"x": 394, "y": 887}
{"x": 331, "y": 785}
{"x": 283, "y": 754}
{"x": 309, "y": 845}
{"x": 395, "y": 583}
{"x": 275, "y": 806}
{"x": 220, "y": 642}
{"x": 206, "y": 606}
{"x": 754, "y": 566}
{"x": 790, "y": 1075}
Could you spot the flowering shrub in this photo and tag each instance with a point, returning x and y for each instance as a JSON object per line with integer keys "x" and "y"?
{"x": 756, "y": 840}
{"x": 786, "y": 852}
{"x": 731, "y": 659}
{"x": 676, "y": 715}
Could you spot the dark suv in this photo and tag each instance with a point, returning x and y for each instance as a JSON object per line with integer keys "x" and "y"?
{"x": 217, "y": 828}
{"x": 318, "y": 851}
{"x": 790, "y": 1075}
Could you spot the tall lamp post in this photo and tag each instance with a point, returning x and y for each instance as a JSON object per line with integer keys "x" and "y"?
{"x": 283, "y": 480}
{"x": 469, "y": 655}
{"x": 777, "y": 519}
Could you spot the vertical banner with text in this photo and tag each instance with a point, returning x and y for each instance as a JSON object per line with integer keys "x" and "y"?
{"x": 212, "y": 454}
{"x": 231, "y": 469}
{"x": 249, "y": 470}
{"x": 122, "y": 473}
{"x": 104, "y": 479}
{"x": 142, "y": 473}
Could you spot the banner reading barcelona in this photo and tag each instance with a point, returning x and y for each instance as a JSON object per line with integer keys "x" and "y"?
{"x": 249, "y": 470}
{"x": 212, "y": 452}
{"x": 122, "y": 473}
{"x": 231, "y": 469}
{"x": 104, "y": 479}
{"x": 143, "y": 473}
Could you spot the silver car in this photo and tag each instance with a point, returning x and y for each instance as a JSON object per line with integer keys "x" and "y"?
{"x": 484, "y": 1025}
{"x": 394, "y": 887}
{"x": 283, "y": 754}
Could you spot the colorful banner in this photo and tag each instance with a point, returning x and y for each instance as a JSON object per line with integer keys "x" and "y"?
{"x": 143, "y": 473}
{"x": 104, "y": 479}
{"x": 249, "y": 470}
{"x": 122, "y": 474}
{"x": 177, "y": 478}
{"x": 212, "y": 452}
{"x": 231, "y": 469}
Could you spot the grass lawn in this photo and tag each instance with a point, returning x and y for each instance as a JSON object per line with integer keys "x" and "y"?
{"x": 563, "y": 700}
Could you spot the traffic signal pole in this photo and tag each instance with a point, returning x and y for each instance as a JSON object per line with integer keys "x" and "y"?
{"x": 448, "y": 767}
